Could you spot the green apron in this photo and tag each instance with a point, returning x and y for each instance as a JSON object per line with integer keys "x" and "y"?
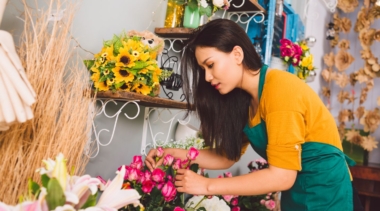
{"x": 324, "y": 182}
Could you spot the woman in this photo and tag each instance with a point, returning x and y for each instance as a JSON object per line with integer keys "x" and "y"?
{"x": 240, "y": 101}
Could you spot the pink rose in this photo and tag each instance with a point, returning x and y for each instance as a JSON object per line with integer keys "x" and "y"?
{"x": 234, "y": 201}
{"x": 168, "y": 160}
{"x": 159, "y": 185}
{"x": 137, "y": 162}
{"x": 185, "y": 164}
{"x": 220, "y": 176}
{"x": 262, "y": 201}
{"x": 287, "y": 52}
{"x": 147, "y": 186}
{"x": 134, "y": 174}
{"x": 158, "y": 175}
{"x": 168, "y": 191}
{"x": 192, "y": 153}
{"x": 228, "y": 174}
{"x": 285, "y": 42}
{"x": 227, "y": 198}
{"x": 177, "y": 164}
{"x": 270, "y": 205}
{"x": 179, "y": 209}
{"x": 159, "y": 152}
{"x": 297, "y": 50}
{"x": 235, "y": 208}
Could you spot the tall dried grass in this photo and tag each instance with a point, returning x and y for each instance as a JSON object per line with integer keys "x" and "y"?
{"x": 62, "y": 120}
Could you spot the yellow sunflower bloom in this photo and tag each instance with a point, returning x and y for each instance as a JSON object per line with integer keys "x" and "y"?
{"x": 110, "y": 82}
{"x": 144, "y": 57}
{"x": 108, "y": 53}
{"x": 95, "y": 69}
{"x": 122, "y": 75}
{"x": 141, "y": 88}
{"x": 126, "y": 87}
{"x": 155, "y": 78}
{"x": 133, "y": 45}
{"x": 153, "y": 55}
{"x": 125, "y": 59}
{"x": 95, "y": 77}
{"x": 102, "y": 86}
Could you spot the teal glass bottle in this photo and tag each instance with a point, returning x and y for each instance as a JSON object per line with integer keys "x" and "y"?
{"x": 191, "y": 18}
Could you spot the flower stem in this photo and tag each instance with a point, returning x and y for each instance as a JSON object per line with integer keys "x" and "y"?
{"x": 204, "y": 197}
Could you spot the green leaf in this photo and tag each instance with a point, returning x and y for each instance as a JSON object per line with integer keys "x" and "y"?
{"x": 33, "y": 187}
{"x": 55, "y": 196}
{"x": 91, "y": 201}
{"x": 89, "y": 63}
{"x": 194, "y": 167}
{"x": 118, "y": 85}
{"x": 140, "y": 65}
{"x": 103, "y": 78}
{"x": 206, "y": 11}
{"x": 201, "y": 209}
{"x": 45, "y": 180}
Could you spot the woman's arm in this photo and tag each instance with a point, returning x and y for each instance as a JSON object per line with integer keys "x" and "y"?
{"x": 207, "y": 158}
{"x": 255, "y": 183}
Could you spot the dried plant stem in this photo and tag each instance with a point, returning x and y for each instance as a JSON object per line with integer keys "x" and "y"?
{"x": 62, "y": 121}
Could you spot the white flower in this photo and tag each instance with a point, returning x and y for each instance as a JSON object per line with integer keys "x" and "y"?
{"x": 218, "y": 3}
{"x": 203, "y": 3}
{"x": 209, "y": 204}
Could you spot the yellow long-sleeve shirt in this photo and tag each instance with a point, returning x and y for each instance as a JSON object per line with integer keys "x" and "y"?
{"x": 293, "y": 114}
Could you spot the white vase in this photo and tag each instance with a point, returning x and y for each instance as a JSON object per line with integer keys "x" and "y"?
{"x": 278, "y": 63}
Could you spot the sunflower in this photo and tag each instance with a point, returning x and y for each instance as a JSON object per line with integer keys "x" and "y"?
{"x": 126, "y": 87}
{"x": 101, "y": 86}
{"x": 133, "y": 45}
{"x": 125, "y": 59}
{"x": 107, "y": 53}
{"x": 95, "y": 76}
{"x": 143, "y": 71}
{"x": 141, "y": 88}
{"x": 153, "y": 55}
{"x": 110, "y": 81}
{"x": 122, "y": 75}
{"x": 144, "y": 57}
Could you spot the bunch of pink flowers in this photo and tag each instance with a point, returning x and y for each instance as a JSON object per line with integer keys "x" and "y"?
{"x": 290, "y": 52}
{"x": 157, "y": 187}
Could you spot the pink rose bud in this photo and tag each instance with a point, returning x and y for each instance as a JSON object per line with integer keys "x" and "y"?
{"x": 185, "y": 164}
{"x": 227, "y": 198}
{"x": 267, "y": 197}
{"x": 170, "y": 178}
{"x": 177, "y": 164}
{"x": 220, "y": 176}
{"x": 234, "y": 201}
{"x": 147, "y": 186}
{"x": 160, "y": 185}
{"x": 168, "y": 191}
{"x": 192, "y": 153}
{"x": 134, "y": 175}
{"x": 270, "y": 205}
{"x": 235, "y": 209}
{"x": 262, "y": 201}
{"x": 147, "y": 175}
{"x": 228, "y": 174}
{"x": 168, "y": 160}
{"x": 160, "y": 152}
{"x": 179, "y": 209}
{"x": 158, "y": 175}
{"x": 137, "y": 158}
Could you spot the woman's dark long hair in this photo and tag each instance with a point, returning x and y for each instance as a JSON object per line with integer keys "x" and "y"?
{"x": 222, "y": 117}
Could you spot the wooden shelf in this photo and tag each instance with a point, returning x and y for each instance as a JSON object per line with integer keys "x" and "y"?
{"x": 143, "y": 99}
{"x": 173, "y": 32}
{"x": 249, "y": 6}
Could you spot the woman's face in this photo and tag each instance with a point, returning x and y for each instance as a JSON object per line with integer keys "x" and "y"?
{"x": 223, "y": 70}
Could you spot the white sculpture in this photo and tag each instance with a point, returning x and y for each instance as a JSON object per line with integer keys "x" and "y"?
{"x": 16, "y": 94}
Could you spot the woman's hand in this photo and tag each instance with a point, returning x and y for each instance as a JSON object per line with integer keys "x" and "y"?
{"x": 190, "y": 182}
{"x": 151, "y": 160}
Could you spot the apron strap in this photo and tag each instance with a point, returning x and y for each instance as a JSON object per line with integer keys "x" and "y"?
{"x": 263, "y": 73}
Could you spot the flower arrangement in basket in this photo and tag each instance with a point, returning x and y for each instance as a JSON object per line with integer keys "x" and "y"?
{"x": 298, "y": 55}
{"x": 60, "y": 191}
{"x": 128, "y": 63}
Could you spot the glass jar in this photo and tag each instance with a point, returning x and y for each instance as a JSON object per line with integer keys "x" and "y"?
{"x": 191, "y": 18}
{"x": 174, "y": 14}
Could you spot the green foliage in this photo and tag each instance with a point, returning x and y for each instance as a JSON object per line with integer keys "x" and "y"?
{"x": 91, "y": 201}
{"x": 55, "y": 196}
